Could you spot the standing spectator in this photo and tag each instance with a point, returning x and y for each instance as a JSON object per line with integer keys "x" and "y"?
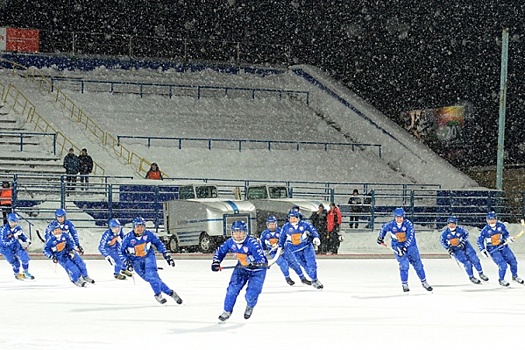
{"x": 250, "y": 269}
{"x": 403, "y": 240}
{"x": 270, "y": 243}
{"x": 6, "y": 199}
{"x": 333, "y": 225}
{"x": 300, "y": 237}
{"x": 494, "y": 241}
{"x": 356, "y": 207}
{"x": 61, "y": 249}
{"x": 319, "y": 220}
{"x": 86, "y": 167}
{"x": 109, "y": 247}
{"x": 367, "y": 207}
{"x": 137, "y": 249}
{"x": 13, "y": 247}
{"x": 72, "y": 166}
{"x": 455, "y": 240}
{"x": 154, "y": 172}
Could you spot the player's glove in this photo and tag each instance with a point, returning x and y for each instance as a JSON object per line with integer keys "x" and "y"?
{"x": 401, "y": 251}
{"x": 461, "y": 245}
{"x": 216, "y": 266}
{"x": 316, "y": 241}
{"x": 80, "y": 250}
{"x": 380, "y": 241}
{"x": 169, "y": 260}
{"x": 450, "y": 251}
{"x": 485, "y": 252}
{"x": 511, "y": 239}
{"x": 54, "y": 259}
{"x": 129, "y": 265}
{"x": 110, "y": 260}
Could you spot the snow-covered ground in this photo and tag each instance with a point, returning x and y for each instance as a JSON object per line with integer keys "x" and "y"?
{"x": 361, "y": 306}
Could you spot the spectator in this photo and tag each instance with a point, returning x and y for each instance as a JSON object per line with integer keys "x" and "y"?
{"x": 86, "y": 167}
{"x": 72, "y": 166}
{"x": 154, "y": 172}
{"x": 6, "y": 199}
{"x": 318, "y": 219}
{"x": 333, "y": 225}
{"x": 356, "y": 207}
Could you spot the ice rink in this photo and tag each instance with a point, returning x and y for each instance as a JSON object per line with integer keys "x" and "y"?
{"x": 361, "y": 307}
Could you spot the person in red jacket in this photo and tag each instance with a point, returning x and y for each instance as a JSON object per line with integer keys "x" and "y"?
{"x": 6, "y": 199}
{"x": 333, "y": 225}
{"x": 154, "y": 172}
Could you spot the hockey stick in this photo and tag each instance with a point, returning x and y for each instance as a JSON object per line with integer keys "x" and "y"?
{"x": 40, "y": 237}
{"x": 512, "y": 239}
{"x": 265, "y": 266}
{"x": 392, "y": 249}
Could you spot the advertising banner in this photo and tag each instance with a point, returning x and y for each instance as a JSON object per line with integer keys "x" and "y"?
{"x": 19, "y": 40}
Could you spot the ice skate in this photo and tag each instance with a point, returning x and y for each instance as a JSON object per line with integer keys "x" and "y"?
{"x": 19, "y": 276}
{"x": 483, "y": 277}
{"x": 176, "y": 297}
{"x": 427, "y": 286}
{"x": 504, "y": 283}
{"x": 28, "y": 276}
{"x": 248, "y": 312}
{"x": 119, "y": 276}
{"x": 290, "y": 281}
{"x": 80, "y": 282}
{"x": 305, "y": 281}
{"x": 89, "y": 280}
{"x": 126, "y": 272}
{"x": 405, "y": 287}
{"x": 160, "y": 298}
{"x": 316, "y": 284}
{"x": 474, "y": 280}
{"x": 224, "y": 316}
{"x": 517, "y": 279}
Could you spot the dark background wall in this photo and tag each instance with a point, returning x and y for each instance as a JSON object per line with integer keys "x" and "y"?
{"x": 397, "y": 54}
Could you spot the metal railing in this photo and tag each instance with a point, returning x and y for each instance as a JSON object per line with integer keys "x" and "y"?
{"x": 242, "y": 142}
{"x": 23, "y": 136}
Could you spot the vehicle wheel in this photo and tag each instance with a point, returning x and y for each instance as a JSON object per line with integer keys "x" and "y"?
{"x": 173, "y": 244}
{"x": 205, "y": 243}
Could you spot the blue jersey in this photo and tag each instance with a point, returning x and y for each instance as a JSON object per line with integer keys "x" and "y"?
{"x": 270, "y": 239}
{"x": 68, "y": 228}
{"x": 138, "y": 248}
{"x": 451, "y": 239}
{"x": 109, "y": 240}
{"x": 11, "y": 238}
{"x": 402, "y": 235}
{"x": 60, "y": 246}
{"x": 297, "y": 237}
{"x": 492, "y": 238}
{"x": 248, "y": 252}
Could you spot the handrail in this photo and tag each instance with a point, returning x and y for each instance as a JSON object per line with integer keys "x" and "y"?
{"x": 21, "y": 134}
{"x": 199, "y": 88}
{"x": 244, "y": 141}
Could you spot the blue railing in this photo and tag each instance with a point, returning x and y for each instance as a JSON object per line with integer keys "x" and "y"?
{"x": 140, "y": 88}
{"x": 24, "y": 136}
{"x": 241, "y": 142}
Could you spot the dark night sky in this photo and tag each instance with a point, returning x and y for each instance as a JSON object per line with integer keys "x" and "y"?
{"x": 397, "y": 54}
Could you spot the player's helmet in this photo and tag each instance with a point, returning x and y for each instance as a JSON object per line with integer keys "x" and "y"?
{"x": 60, "y": 212}
{"x": 294, "y": 214}
{"x": 271, "y": 219}
{"x": 491, "y": 215}
{"x": 114, "y": 223}
{"x": 452, "y": 220}
{"x": 399, "y": 212}
{"x": 139, "y": 221}
{"x": 53, "y": 225}
{"x": 239, "y": 226}
{"x": 12, "y": 217}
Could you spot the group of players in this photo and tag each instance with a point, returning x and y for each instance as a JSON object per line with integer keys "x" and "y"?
{"x": 290, "y": 246}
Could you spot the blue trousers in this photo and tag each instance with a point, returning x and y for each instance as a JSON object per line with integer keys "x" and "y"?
{"x": 286, "y": 261}
{"x": 15, "y": 256}
{"x": 413, "y": 258}
{"x": 239, "y": 278}
{"x": 74, "y": 266}
{"x": 469, "y": 259}
{"x": 503, "y": 257}
{"x": 146, "y": 268}
{"x": 119, "y": 261}
{"x": 306, "y": 259}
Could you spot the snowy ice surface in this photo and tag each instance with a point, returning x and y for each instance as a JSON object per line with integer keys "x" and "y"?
{"x": 361, "y": 306}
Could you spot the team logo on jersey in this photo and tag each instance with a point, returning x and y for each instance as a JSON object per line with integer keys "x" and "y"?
{"x": 245, "y": 249}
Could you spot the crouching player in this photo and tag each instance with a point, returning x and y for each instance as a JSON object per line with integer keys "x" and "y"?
{"x": 250, "y": 269}
{"x": 60, "y": 248}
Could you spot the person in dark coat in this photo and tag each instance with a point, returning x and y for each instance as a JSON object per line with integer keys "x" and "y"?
{"x": 72, "y": 166}
{"x": 318, "y": 219}
{"x": 356, "y": 207}
{"x": 86, "y": 167}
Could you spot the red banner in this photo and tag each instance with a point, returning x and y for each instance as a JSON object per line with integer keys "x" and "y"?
{"x": 19, "y": 40}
